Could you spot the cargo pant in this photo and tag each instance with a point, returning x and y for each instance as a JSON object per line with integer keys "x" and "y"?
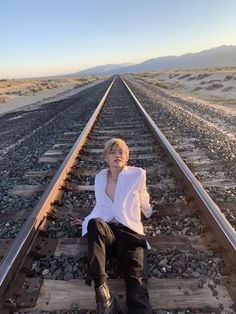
{"x": 129, "y": 247}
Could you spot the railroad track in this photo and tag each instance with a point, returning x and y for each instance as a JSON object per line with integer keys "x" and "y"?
{"x": 192, "y": 261}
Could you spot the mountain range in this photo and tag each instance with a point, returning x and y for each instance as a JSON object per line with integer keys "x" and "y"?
{"x": 222, "y": 56}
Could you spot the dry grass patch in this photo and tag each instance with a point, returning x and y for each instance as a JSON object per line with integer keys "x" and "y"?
{"x": 13, "y": 88}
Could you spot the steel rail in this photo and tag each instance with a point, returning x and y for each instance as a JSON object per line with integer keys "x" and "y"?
{"x": 223, "y": 231}
{"x": 21, "y": 244}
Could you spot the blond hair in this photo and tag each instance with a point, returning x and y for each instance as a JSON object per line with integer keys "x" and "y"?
{"x": 115, "y": 142}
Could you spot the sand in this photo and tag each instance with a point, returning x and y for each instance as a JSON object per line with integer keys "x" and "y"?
{"x": 216, "y": 88}
{"x": 38, "y": 98}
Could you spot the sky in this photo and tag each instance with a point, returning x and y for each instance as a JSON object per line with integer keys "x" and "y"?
{"x": 52, "y": 37}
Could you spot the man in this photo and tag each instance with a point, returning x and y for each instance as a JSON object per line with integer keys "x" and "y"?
{"x": 115, "y": 221}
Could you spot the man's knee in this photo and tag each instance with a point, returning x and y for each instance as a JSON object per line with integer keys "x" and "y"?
{"x": 98, "y": 228}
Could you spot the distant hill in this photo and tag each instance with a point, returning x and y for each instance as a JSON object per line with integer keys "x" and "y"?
{"x": 223, "y": 56}
{"x": 102, "y": 69}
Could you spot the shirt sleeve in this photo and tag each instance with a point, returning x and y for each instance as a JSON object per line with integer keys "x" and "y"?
{"x": 95, "y": 213}
{"x": 144, "y": 197}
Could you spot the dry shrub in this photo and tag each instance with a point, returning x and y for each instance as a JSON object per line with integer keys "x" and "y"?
{"x": 227, "y": 89}
{"x": 196, "y": 89}
{"x": 4, "y": 98}
{"x": 214, "y": 86}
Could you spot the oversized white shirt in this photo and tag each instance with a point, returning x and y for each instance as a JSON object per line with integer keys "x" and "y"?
{"x": 131, "y": 197}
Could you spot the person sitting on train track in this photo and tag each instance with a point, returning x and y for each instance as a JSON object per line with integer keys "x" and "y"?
{"x": 121, "y": 197}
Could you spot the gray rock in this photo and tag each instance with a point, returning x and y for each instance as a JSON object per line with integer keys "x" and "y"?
{"x": 163, "y": 262}
{"x": 68, "y": 268}
{"x": 68, "y": 276}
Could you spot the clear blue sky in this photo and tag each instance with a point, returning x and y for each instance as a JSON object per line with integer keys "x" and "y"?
{"x": 47, "y": 37}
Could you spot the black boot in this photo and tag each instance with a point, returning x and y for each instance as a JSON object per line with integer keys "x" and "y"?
{"x": 106, "y": 304}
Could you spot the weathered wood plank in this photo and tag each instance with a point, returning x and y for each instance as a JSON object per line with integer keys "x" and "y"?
{"x": 131, "y": 149}
{"x": 179, "y": 210}
{"x": 130, "y": 142}
{"x": 159, "y": 243}
{"x": 159, "y": 169}
{"x": 164, "y": 242}
{"x": 231, "y": 205}
{"x": 48, "y": 160}
{"x": 133, "y": 156}
{"x": 38, "y": 174}
{"x": 26, "y": 190}
{"x": 52, "y": 153}
{"x": 220, "y": 183}
{"x": 76, "y": 133}
{"x": 81, "y": 187}
{"x": 122, "y": 126}
{"x": 115, "y": 131}
{"x": 20, "y": 215}
{"x": 164, "y": 294}
{"x": 4, "y": 246}
{"x": 107, "y": 137}
{"x": 62, "y": 145}
{"x": 195, "y": 153}
{"x": 72, "y": 247}
{"x": 166, "y": 184}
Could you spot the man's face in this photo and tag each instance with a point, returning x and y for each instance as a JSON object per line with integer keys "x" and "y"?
{"x": 117, "y": 157}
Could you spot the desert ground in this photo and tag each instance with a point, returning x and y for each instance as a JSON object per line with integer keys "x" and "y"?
{"x": 215, "y": 87}
{"x": 18, "y": 93}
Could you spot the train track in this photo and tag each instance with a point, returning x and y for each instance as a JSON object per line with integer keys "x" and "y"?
{"x": 192, "y": 261}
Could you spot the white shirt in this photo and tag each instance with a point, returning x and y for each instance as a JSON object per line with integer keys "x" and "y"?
{"x": 131, "y": 197}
